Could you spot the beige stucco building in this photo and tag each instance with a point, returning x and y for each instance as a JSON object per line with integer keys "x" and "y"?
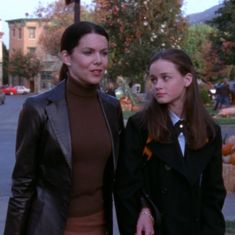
{"x": 24, "y": 35}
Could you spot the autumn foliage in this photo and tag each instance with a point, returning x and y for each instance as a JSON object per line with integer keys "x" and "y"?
{"x": 137, "y": 29}
{"x": 56, "y": 17}
{"x": 224, "y": 40}
{"x": 24, "y": 66}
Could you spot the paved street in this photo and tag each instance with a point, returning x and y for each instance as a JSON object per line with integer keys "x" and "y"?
{"x": 8, "y": 119}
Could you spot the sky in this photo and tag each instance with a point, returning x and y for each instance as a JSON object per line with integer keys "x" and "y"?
{"x": 14, "y": 9}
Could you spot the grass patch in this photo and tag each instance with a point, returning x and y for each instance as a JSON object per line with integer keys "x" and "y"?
{"x": 225, "y": 121}
{"x": 221, "y": 120}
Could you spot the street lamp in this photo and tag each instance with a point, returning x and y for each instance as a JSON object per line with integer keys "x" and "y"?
{"x": 76, "y": 9}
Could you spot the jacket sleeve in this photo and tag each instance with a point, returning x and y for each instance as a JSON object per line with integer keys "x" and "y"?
{"x": 129, "y": 179}
{"x": 25, "y": 170}
{"x": 213, "y": 193}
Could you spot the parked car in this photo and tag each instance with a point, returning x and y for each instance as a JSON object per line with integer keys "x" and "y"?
{"x": 9, "y": 90}
{"x": 2, "y": 97}
{"x": 21, "y": 90}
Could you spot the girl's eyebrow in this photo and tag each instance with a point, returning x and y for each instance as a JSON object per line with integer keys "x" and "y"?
{"x": 91, "y": 48}
{"x": 152, "y": 75}
{"x": 167, "y": 73}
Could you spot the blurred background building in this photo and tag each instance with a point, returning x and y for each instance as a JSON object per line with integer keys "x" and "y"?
{"x": 24, "y": 35}
{"x": 1, "y": 56}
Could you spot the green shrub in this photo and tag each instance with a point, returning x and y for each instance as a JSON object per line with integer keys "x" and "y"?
{"x": 205, "y": 96}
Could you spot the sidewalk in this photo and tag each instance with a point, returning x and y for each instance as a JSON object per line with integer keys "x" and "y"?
{"x": 3, "y": 209}
{"x": 229, "y": 213}
{"x": 229, "y": 207}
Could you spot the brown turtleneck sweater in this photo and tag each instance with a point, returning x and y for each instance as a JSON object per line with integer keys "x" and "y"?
{"x": 91, "y": 147}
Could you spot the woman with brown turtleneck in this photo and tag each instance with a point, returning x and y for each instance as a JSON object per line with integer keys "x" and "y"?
{"x": 67, "y": 146}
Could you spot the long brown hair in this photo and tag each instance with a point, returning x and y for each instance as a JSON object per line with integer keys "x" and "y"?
{"x": 200, "y": 125}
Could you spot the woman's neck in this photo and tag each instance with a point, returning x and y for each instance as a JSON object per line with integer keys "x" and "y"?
{"x": 78, "y": 89}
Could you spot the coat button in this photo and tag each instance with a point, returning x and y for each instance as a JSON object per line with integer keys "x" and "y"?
{"x": 164, "y": 190}
{"x": 168, "y": 168}
{"x": 147, "y": 195}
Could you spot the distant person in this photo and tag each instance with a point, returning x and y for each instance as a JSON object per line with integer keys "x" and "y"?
{"x": 217, "y": 97}
{"x": 67, "y": 146}
{"x": 110, "y": 89}
{"x": 223, "y": 95}
{"x": 169, "y": 175}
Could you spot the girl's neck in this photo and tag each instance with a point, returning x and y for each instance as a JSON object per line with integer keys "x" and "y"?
{"x": 176, "y": 110}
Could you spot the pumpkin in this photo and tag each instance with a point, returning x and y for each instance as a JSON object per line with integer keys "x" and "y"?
{"x": 225, "y": 112}
{"x": 227, "y": 149}
{"x": 232, "y": 160}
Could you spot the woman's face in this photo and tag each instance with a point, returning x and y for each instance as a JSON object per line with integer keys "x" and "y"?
{"x": 169, "y": 85}
{"x": 89, "y": 59}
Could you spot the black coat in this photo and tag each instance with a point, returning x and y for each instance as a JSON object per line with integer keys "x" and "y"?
{"x": 188, "y": 192}
{"x": 42, "y": 176}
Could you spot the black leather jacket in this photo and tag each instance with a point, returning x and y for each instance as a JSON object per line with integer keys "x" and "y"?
{"x": 42, "y": 175}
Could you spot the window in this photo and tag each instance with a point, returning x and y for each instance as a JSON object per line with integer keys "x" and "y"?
{"x": 45, "y": 75}
{"x": 32, "y": 32}
{"x": 31, "y": 49}
{"x": 13, "y": 32}
{"x": 20, "y": 33}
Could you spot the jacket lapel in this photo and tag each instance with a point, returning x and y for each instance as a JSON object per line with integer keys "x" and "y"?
{"x": 170, "y": 154}
{"x": 192, "y": 167}
{"x": 58, "y": 117}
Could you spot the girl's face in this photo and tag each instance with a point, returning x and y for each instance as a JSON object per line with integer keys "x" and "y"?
{"x": 88, "y": 60}
{"x": 169, "y": 85}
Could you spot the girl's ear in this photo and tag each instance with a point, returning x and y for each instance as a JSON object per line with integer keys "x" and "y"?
{"x": 65, "y": 57}
{"x": 188, "y": 78}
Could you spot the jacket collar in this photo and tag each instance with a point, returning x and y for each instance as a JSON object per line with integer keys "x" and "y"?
{"x": 57, "y": 93}
{"x": 58, "y": 117}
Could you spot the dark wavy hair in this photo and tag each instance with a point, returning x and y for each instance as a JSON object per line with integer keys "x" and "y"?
{"x": 71, "y": 37}
{"x": 200, "y": 125}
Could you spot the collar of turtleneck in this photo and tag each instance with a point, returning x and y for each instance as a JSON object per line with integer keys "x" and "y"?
{"x": 76, "y": 88}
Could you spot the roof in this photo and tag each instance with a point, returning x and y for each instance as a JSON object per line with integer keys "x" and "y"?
{"x": 20, "y": 20}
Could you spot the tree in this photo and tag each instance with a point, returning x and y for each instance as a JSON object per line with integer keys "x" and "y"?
{"x": 24, "y": 66}
{"x": 137, "y": 29}
{"x": 198, "y": 45}
{"x": 224, "y": 38}
{"x": 56, "y": 17}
